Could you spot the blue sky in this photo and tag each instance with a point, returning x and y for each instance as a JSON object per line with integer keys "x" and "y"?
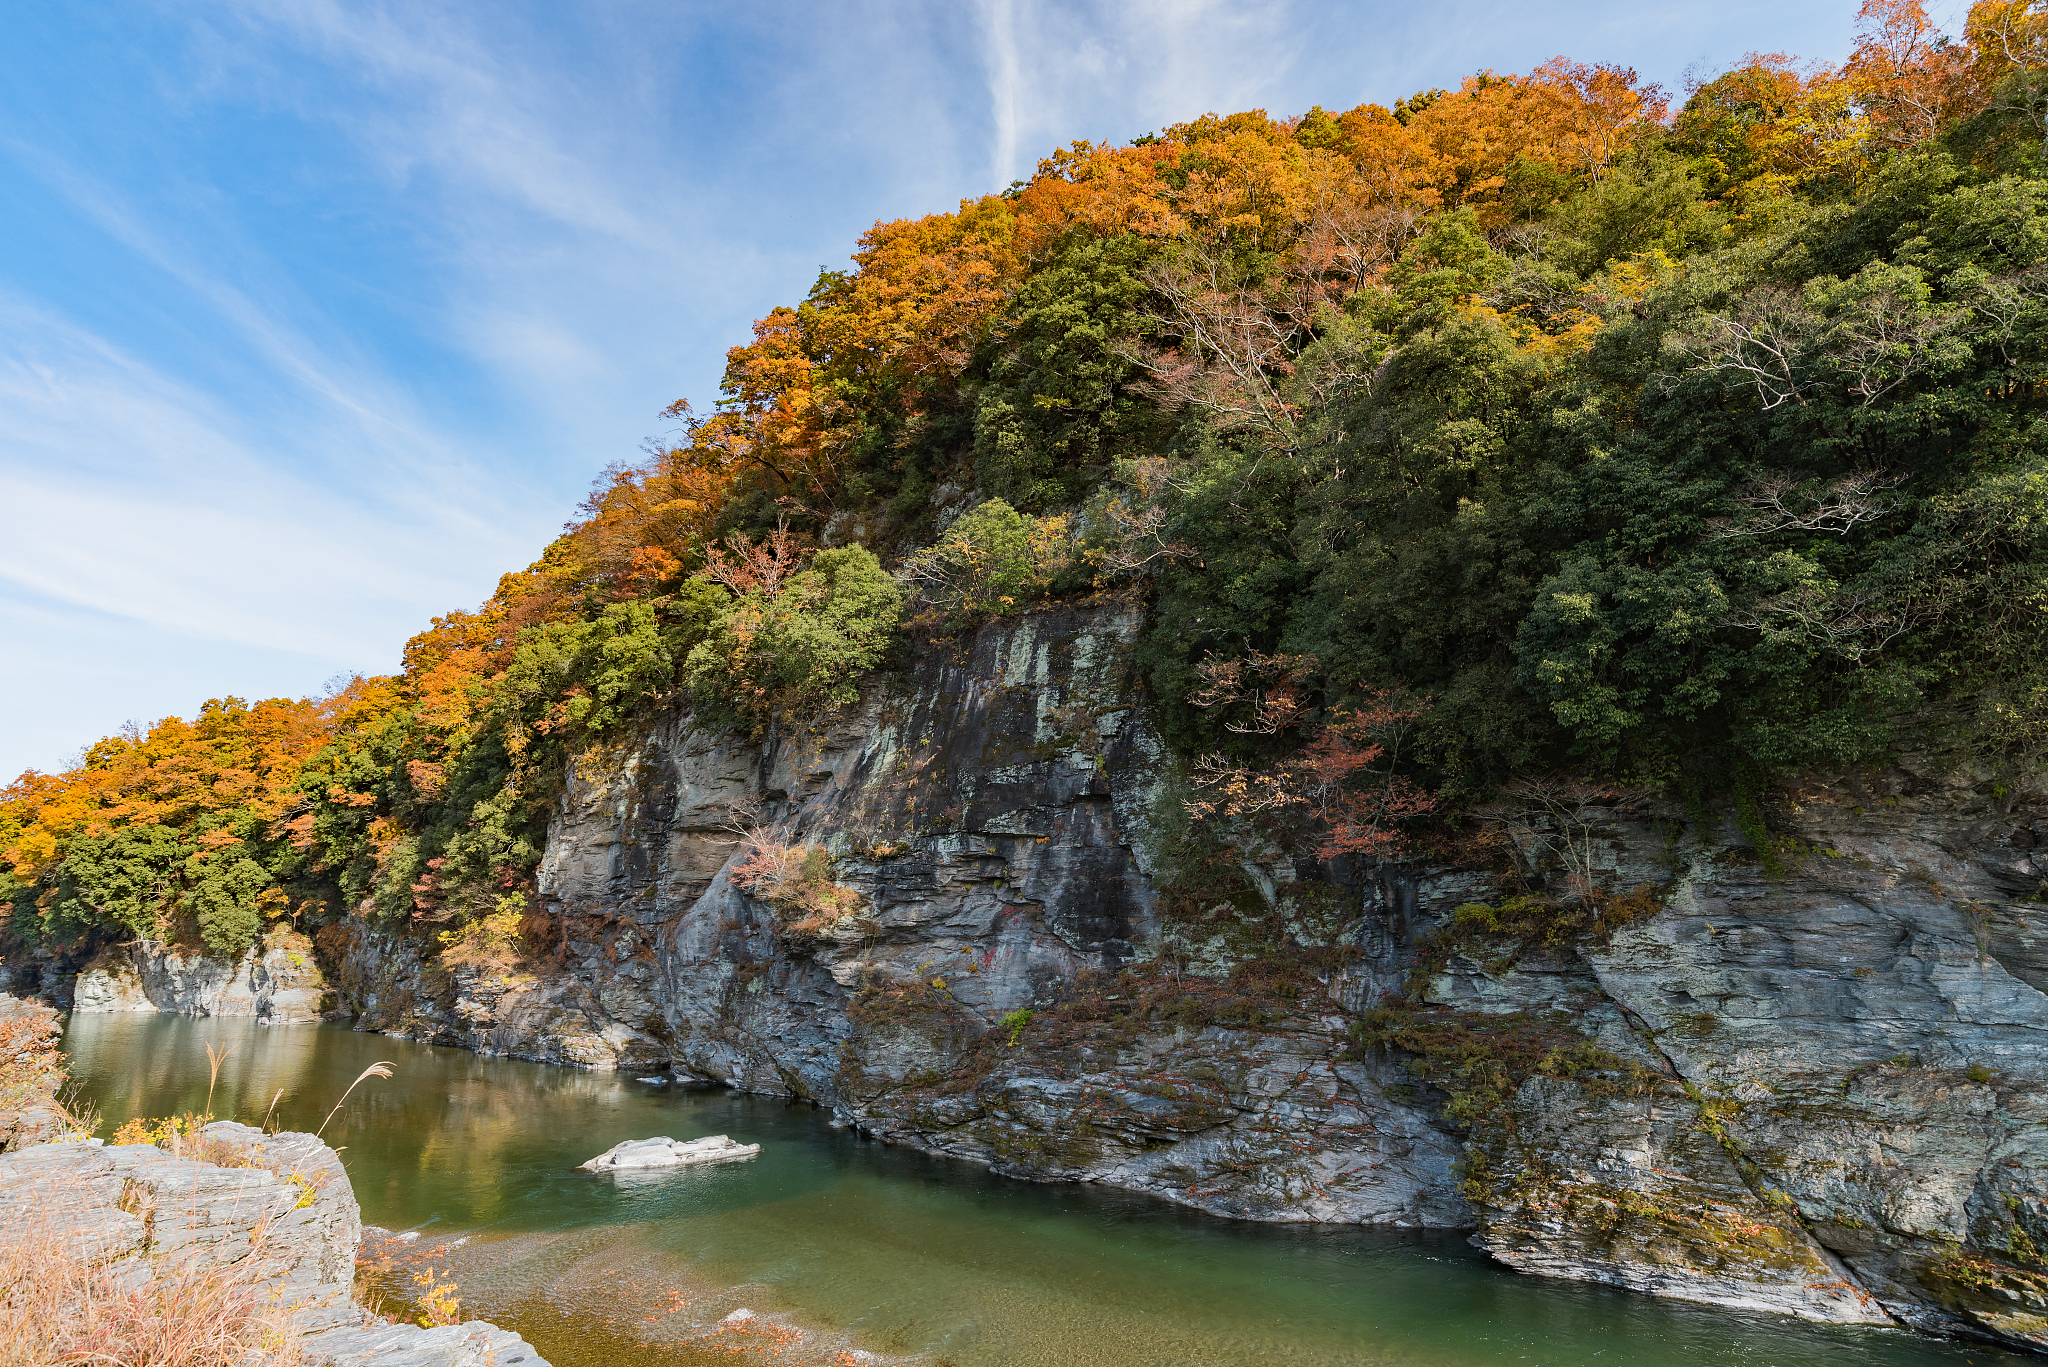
{"x": 316, "y": 317}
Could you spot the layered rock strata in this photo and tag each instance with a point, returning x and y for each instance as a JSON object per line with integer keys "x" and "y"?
{"x": 274, "y": 1210}
{"x": 1792, "y": 1061}
{"x": 276, "y": 981}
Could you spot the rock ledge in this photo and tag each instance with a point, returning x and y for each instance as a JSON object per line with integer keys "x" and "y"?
{"x": 290, "y": 1220}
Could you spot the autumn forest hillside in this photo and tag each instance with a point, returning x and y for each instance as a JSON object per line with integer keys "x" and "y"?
{"x": 1553, "y": 424}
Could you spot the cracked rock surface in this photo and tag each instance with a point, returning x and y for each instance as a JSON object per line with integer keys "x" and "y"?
{"x": 275, "y": 981}
{"x": 1808, "y": 1079}
{"x": 291, "y": 1220}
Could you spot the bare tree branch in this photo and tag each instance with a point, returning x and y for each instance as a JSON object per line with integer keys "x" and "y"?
{"x": 1856, "y": 627}
{"x": 1885, "y": 339}
{"x": 1777, "y": 505}
{"x": 1554, "y": 818}
{"x": 1760, "y": 343}
{"x": 1236, "y": 352}
{"x": 1140, "y": 521}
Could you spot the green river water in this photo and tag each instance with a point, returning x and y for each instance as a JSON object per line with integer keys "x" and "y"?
{"x": 879, "y": 1248}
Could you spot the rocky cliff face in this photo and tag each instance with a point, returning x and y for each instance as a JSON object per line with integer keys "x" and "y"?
{"x": 276, "y": 980}
{"x": 1851, "y": 1025}
{"x": 1798, "y": 1071}
{"x": 984, "y": 808}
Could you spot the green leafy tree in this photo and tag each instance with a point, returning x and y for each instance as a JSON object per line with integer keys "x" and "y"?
{"x": 992, "y": 561}
{"x": 130, "y": 876}
{"x": 1056, "y": 404}
{"x": 807, "y": 641}
{"x": 227, "y": 895}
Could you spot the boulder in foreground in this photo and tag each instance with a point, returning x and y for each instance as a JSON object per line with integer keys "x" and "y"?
{"x": 663, "y": 1152}
{"x": 118, "y": 1245}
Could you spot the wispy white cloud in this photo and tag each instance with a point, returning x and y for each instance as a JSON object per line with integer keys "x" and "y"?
{"x": 573, "y": 259}
{"x": 283, "y": 482}
{"x": 479, "y": 113}
{"x": 384, "y": 426}
{"x": 131, "y": 495}
{"x": 1005, "y": 87}
{"x": 1112, "y": 71}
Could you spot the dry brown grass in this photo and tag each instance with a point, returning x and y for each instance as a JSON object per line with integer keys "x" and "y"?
{"x": 30, "y": 1066}
{"x": 32, "y": 1074}
{"x": 58, "y": 1309}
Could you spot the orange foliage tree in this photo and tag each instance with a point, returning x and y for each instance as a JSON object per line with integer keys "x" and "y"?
{"x": 168, "y": 822}
{"x": 1909, "y": 77}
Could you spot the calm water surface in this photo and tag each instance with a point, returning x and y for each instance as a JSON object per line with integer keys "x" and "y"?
{"x": 899, "y": 1253}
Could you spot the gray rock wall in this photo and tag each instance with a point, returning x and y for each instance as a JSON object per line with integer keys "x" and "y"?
{"x": 276, "y": 980}
{"x": 1806, "y": 1079}
{"x": 996, "y": 802}
{"x": 1859, "y": 1034}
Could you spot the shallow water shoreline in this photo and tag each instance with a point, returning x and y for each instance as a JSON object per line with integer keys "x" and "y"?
{"x": 872, "y": 1248}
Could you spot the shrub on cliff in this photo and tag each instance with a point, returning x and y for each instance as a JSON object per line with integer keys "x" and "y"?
{"x": 145, "y": 878}
{"x": 797, "y": 881}
{"x": 1766, "y": 505}
{"x": 32, "y": 1078}
{"x": 434, "y": 804}
{"x": 991, "y": 562}
{"x": 804, "y": 640}
{"x": 585, "y": 677}
{"x": 228, "y": 896}
{"x": 1057, "y": 403}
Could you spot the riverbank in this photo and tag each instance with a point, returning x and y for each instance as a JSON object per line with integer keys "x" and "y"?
{"x": 877, "y": 1247}
{"x": 196, "y": 1242}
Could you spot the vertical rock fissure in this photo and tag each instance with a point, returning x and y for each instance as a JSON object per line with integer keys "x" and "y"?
{"x": 1748, "y": 1169}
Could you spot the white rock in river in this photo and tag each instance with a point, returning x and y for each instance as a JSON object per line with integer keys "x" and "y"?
{"x": 663, "y": 1152}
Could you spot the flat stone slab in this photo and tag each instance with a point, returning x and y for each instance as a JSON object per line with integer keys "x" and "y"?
{"x": 295, "y": 1217}
{"x": 663, "y": 1152}
{"x": 476, "y": 1344}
